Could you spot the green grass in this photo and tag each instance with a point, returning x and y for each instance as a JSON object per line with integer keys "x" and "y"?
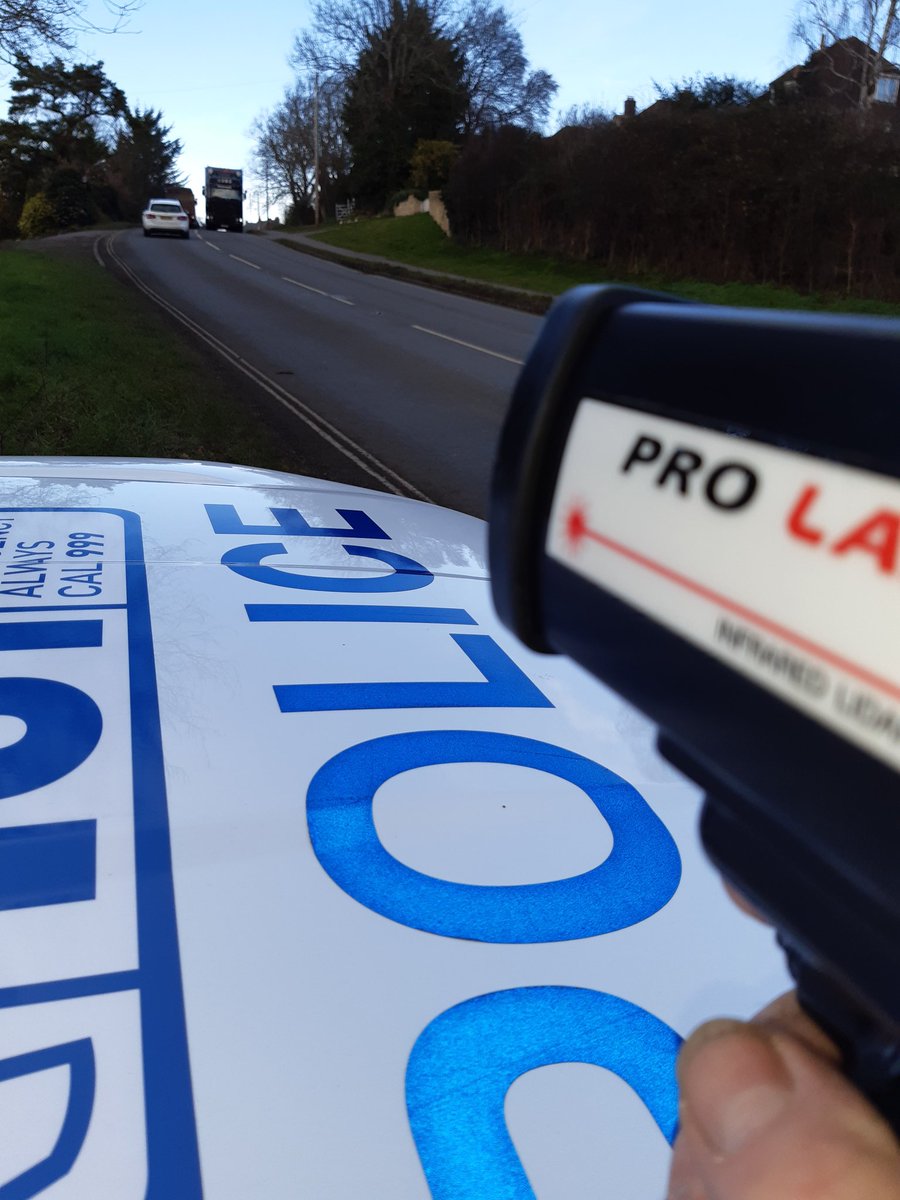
{"x": 418, "y": 242}
{"x": 86, "y": 371}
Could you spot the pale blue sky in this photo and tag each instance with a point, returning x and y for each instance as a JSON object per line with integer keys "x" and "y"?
{"x": 213, "y": 67}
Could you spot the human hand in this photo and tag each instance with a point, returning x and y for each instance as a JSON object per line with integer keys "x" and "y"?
{"x": 767, "y": 1115}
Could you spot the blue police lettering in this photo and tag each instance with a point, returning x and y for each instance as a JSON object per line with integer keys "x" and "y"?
{"x": 26, "y": 574}
{"x": 23, "y": 566}
{"x": 30, "y": 566}
{"x": 463, "y": 1063}
{"x": 624, "y": 890}
{"x": 84, "y": 545}
{"x": 56, "y": 857}
{"x": 82, "y": 581}
{"x": 32, "y": 592}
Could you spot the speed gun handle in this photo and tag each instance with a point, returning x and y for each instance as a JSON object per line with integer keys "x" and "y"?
{"x": 868, "y": 1039}
{"x": 702, "y": 507}
{"x": 869, "y": 1050}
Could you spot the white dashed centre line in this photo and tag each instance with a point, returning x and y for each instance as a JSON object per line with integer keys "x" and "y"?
{"x": 309, "y": 288}
{"x": 212, "y": 245}
{"x": 306, "y": 287}
{"x": 469, "y": 345}
{"x": 246, "y": 262}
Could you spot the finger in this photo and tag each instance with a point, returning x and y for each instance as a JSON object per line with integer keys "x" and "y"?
{"x": 763, "y": 1116}
{"x": 785, "y": 1015}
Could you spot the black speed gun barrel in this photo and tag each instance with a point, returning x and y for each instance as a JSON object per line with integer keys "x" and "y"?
{"x": 701, "y": 506}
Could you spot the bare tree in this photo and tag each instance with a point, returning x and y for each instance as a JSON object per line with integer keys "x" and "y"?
{"x": 285, "y": 142}
{"x": 343, "y": 31}
{"x": 500, "y": 86}
{"x": 27, "y": 26}
{"x": 284, "y": 150}
{"x": 855, "y": 36}
{"x": 502, "y": 91}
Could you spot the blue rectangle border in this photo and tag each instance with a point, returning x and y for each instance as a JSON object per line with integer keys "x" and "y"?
{"x": 173, "y": 1160}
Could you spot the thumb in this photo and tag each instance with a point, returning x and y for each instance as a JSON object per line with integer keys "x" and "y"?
{"x": 766, "y": 1117}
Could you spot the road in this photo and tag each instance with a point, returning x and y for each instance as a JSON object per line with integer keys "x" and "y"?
{"x": 412, "y": 382}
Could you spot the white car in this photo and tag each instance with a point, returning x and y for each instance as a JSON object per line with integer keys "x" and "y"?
{"x": 308, "y": 866}
{"x": 165, "y": 217}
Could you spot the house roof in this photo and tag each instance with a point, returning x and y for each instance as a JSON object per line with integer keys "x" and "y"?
{"x": 821, "y": 58}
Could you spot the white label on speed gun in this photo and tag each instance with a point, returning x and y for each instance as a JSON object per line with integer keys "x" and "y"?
{"x": 784, "y": 567}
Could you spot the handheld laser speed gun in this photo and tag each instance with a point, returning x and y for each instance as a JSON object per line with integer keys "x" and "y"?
{"x": 701, "y": 506}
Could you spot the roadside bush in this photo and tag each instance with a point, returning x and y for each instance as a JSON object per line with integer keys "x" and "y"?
{"x": 68, "y": 194}
{"x": 9, "y": 215}
{"x": 431, "y": 163}
{"x": 105, "y": 202}
{"x": 38, "y": 217}
{"x": 300, "y": 214}
{"x": 483, "y": 192}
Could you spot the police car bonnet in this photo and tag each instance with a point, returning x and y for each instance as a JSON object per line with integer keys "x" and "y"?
{"x": 307, "y": 865}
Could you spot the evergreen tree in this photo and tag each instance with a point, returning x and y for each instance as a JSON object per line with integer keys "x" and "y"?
{"x": 72, "y": 110}
{"x": 143, "y": 162}
{"x": 407, "y": 87}
{"x": 58, "y": 137}
{"x": 71, "y": 138}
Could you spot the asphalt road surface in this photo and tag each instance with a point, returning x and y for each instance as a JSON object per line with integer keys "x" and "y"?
{"x": 411, "y": 383}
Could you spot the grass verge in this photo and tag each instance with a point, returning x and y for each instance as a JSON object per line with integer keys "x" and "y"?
{"x": 83, "y": 373}
{"x": 418, "y": 242}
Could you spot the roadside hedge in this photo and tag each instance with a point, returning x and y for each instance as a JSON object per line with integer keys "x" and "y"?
{"x": 797, "y": 195}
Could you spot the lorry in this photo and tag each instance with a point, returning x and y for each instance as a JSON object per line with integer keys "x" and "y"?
{"x": 186, "y": 199}
{"x": 224, "y": 192}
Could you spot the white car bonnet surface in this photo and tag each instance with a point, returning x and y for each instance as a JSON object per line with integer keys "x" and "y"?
{"x": 313, "y": 882}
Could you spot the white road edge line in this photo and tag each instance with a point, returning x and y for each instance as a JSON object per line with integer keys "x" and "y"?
{"x": 307, "y": 287}
{"x": 246, "y": 262}
{"x": 373, "y": 466}
{"x": 469, "y": 345}
{"x": 97, "y": 241}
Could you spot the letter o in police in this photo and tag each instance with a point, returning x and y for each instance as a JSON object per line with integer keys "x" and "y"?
{"x": 731, "y": 486}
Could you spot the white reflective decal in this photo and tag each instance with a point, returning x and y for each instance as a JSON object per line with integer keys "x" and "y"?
{"x": 783, "y": 566}
{"x": 90, "y": 986}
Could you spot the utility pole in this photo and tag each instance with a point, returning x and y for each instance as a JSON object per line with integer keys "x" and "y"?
{"x": 316, "y": 143}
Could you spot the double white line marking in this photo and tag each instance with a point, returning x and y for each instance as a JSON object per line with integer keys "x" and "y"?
{"x": 385, "y": 475}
